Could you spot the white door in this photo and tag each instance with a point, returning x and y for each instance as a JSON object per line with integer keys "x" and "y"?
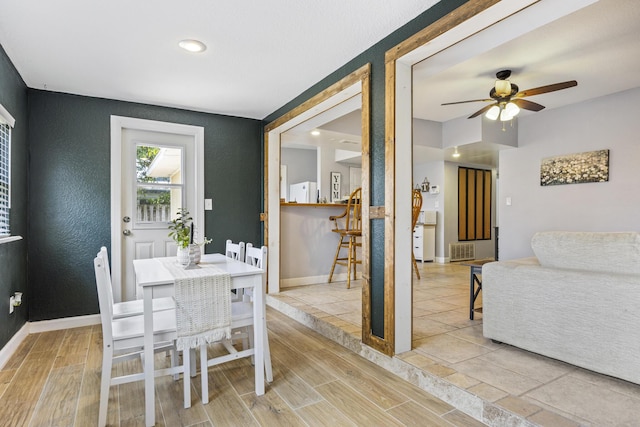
{"x": 160, "y": 170}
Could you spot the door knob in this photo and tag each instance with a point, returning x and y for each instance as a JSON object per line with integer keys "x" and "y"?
{"x": 126, "y": 232}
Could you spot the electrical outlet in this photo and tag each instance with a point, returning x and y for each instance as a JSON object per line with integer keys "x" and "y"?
{"x": 12, "y": 301}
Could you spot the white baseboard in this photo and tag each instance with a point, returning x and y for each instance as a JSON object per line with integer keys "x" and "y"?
{"x": 64, "y": 323}
{"x": 314, "y": 280}
{"x": 44, "y": 326}
{"x": 7, "y": 351}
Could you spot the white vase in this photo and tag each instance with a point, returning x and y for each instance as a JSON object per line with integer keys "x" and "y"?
{"x": 183, "y": 256}
{"x": 189, "y": 256}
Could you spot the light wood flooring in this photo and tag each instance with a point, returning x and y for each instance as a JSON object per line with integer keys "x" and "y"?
{"x": 451, "y": 351}
{"x": 54, "y": 378}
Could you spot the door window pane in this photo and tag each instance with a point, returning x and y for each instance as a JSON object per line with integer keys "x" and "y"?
{"x": 159, "y": 184}
{"x": 155, "y": 164}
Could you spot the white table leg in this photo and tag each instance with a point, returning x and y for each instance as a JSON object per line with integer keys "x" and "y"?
{"x": 258, "y": 335}
{"x": 149, "y": 368}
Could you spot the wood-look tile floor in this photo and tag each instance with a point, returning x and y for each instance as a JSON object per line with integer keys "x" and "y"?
{"x": 448, "y": 345}
{"x": 53, "y": 380}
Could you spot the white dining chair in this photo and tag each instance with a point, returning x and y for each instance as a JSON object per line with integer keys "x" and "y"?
{"x": 241, "y": 318}
{"x": 131, "y": 308}
{"x": 123, "y": 339}
{"x": 234, "y": 250}
{"x": 258, "y": 257}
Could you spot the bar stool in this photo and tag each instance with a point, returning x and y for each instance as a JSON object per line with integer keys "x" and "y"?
{"x": 349, "y": 234}
{"x": 417, "y": 205}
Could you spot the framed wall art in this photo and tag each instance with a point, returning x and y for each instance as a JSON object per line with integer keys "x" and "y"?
{"x": 590, "y": 166}
{"x": 336, "y": 179}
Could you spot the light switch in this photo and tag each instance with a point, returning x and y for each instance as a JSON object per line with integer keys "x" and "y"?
{"x": 208, "y": 204}
{"x": 436, "y": 204}
{"x": 508, "y": 201}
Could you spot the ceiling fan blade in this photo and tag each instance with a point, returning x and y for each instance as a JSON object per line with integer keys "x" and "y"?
{"x": 527, "y": 105}
{"x": 481, "y": 111}
{"x": 544, "y": 89}
{"x": 471, "y": 100}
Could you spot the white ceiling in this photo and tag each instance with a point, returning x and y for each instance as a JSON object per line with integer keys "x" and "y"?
{"x": 261, "y": 54}
{"x": 599, "y": 46}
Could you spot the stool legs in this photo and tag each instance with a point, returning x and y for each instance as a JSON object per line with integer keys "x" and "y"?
{"x": 415, "y": 264}
{"x": 335, "y": 259}
{"x": 351, "y": 258}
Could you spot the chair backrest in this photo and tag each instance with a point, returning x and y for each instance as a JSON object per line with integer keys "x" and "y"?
{"x": 256, "y": 256}
{"x": 417, "y": 205}
{"x": 235, "y": 250}
{"x": 105, "y": 298}
{"x": 353, "y": 220}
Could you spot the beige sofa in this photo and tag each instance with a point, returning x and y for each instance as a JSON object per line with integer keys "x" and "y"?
{"x": 577, "y": 301}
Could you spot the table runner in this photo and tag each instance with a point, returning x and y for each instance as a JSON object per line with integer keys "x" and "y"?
{"x": 203, "y": 304}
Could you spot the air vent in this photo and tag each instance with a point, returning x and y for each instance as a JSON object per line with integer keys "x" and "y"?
{"x": 462, "y": 251}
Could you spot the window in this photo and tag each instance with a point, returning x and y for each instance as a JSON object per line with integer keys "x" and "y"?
{"x": 6, "y": 123}
{"x": 474, "y": 204}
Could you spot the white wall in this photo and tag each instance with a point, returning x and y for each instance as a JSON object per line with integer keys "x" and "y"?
{"x": 301, "y": 164}
{"x": 610, "y": 122}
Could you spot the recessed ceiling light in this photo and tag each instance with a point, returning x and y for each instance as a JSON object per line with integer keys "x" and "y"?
{"x": 315, "y": 132}
{"x": 456, "y": 154}
{"x": 193, "y": 46}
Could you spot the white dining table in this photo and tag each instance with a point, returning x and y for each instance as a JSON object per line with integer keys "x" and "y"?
{"x": 156, "y": 281}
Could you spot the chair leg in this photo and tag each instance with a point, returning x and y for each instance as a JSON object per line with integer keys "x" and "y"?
{"x": 105, "y": 385}
{"x": 355, "y": 256}
{"x": 204, "y": 374}
{"x": 267, "y": 357}
{"x": 349, "y": 258}
{"x": 186, "y": 364}
{"x": 335, "y": 259}
{"x": 415, "y": 264}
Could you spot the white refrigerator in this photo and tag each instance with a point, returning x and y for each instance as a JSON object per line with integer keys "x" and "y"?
{"x": 303, "y": 192}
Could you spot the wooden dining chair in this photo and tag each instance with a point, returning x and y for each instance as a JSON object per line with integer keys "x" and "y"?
{"x": 123, "y": 339}
{"x": 349, "y": 227}
{"x": 417, "y": 206}
{"x": 131, "y": 308}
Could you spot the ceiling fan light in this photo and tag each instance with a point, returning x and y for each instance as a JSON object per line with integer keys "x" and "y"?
{"x": 493, "y": 113}
{"x": 512, "y": 109}
{"x": 505, "y": 116}
{"x": 503, "y": 87}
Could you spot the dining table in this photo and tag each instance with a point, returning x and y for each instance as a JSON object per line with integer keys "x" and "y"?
{"x": 157, "y": 281}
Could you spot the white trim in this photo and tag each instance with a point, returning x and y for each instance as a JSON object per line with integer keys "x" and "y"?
{"x": 9, "y": 239}
{"x": 5, "y": 117}
{"x": 488, "y": 28}
{"x": 12, "y": 345}
{"x": 315, "y": 280}
{"x": 119, "y": 123}
{"x": 64, "y": 323}
{"x": 44, "y": 326}
{"x": 273, "y": 173}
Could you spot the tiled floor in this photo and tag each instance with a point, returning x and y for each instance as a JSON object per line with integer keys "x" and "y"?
{"x": 519, "y": 387}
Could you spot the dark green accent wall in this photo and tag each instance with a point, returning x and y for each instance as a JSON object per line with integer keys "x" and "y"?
{"x": 69, "y": 187}
{"x": 375, "y": 56}
{"x": 13, "y": 256}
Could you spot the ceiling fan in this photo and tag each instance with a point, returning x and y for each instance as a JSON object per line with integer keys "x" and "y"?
{"x": 507, "y": 99}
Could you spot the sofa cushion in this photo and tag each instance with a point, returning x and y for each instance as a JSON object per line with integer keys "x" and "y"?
{"x": 592, "y": 251}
